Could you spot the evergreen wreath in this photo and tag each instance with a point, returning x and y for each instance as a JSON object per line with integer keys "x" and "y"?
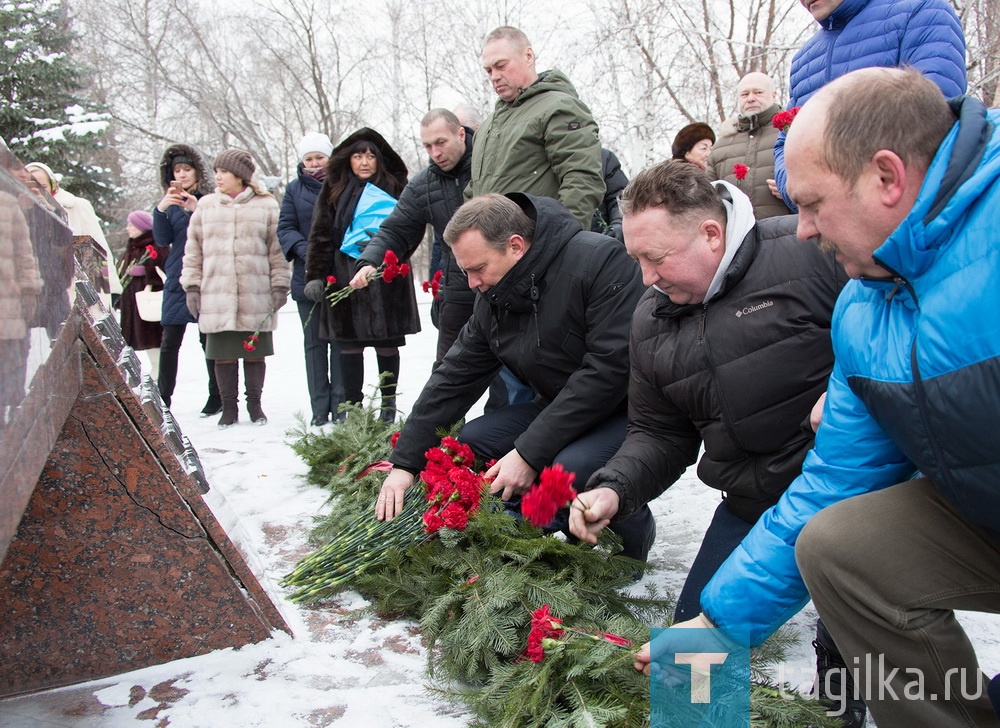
{"x": 478, "y": 593}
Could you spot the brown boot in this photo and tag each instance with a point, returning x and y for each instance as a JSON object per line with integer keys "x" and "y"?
{"x": 228, "y": 377}
{"x": 254, "y": 371}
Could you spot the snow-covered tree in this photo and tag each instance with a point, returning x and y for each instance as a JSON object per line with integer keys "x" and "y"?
{"x": 45, "y": 112}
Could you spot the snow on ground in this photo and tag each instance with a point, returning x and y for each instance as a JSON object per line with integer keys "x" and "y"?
{"x": 341, "y": 667}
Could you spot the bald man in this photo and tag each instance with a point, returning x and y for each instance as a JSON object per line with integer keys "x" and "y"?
{"x": 748, "y": 139}
{"x": 895, "y": 521}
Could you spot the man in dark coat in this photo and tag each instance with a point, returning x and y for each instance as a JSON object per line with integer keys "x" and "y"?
{"x": 430, "y": 198}
{"x": 608, "y": 218}
{"x": 730, "y": 349}
{"x": 553, "y": 306}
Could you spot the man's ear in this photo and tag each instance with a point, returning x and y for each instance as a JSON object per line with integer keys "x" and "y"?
{"x": 892, "y": 176}
{"x": 715, "y": 233}
{"x": 461, "y": 133}
{"x": 518, "y": 246}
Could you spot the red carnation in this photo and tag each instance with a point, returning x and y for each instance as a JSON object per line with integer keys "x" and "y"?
{"x": 330, "y": 280}
{"x": 454, "y": 516}
{"x": 249, "y": 346}
{"x": 151, "y": 252}
{"x": 404, "y": 269}
{"x": 554, "y": 491}
{"x": 543, "y": 626}
{"x": 432, "y": 521}
{"x": 740, "y": 170}
{"x": 782, "y": 120}
{"x": 394, "y": 439}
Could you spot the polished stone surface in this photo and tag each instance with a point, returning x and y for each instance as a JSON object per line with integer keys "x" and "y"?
{"x": 110, "y": 558}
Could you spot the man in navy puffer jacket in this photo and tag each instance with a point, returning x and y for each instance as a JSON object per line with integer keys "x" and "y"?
{"x": 855, "y": 34}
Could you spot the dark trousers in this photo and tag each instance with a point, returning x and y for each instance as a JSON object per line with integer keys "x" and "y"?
{"x": 722, "y": 537}
{"x": 886, "y": 571}
{"x": 170, "y": 347}
{"x": 326, "y": 390}
{"x": 493, "y": 435}
{"x": 451, "y": 318}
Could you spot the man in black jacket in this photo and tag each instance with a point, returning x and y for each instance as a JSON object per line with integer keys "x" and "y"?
{"x": 730, "y": 349}
{"x": 430, "y": 198}
{"x": 553, "y": 306}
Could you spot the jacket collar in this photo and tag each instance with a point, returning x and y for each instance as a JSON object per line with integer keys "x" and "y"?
{"x": 755, "y": 121}
{"x": 965, "y": 165}
{"x": 843, "y": 15}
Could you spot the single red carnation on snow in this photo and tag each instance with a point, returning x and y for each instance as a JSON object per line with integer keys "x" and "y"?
{"x": 740, "y": 170}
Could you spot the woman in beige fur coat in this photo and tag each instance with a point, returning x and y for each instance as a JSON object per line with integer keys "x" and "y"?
{"x": 236, "y": 278}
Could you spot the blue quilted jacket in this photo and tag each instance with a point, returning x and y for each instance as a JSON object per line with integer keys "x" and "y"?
{"x": 914, "y": 387}
{"x": 924, "y": 34}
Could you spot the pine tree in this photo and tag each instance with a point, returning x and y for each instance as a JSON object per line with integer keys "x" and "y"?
{"x": 45, "y": 115}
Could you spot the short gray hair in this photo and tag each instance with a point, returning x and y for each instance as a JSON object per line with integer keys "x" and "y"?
{"x": 494, "y": 216}
{"x": 449, "y": 117}
{"x": 508, "y": 32}
{"x": 883, "y": 108}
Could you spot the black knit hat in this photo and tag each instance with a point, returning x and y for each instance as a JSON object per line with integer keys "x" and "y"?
{"x": 237, "y": 161}
{"x": 689, "y": 136}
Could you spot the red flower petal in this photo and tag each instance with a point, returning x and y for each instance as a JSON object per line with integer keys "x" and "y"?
{"x": 330, "y": 280}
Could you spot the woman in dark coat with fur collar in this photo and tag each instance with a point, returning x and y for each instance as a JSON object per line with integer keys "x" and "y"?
{"x": 190, "y": 168}
{"x": 380, "y": 315}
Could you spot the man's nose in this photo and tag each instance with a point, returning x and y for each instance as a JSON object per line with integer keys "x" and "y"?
{"x": 806, "y": 229}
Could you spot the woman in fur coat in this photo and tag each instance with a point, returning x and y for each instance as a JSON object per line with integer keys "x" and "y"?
{"x": 235, "y": 278}
{"x": 380, "y": 315}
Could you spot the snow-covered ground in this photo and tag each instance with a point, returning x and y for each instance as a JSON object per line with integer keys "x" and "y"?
{"x": 340, "y": 668}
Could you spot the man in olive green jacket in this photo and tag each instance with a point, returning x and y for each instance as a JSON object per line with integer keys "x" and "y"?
{"x": 541, "y": 138}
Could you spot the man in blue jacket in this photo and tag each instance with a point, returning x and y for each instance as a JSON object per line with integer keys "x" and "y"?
{"x": 895, "y": 520}
{"x": 855, "y": 34}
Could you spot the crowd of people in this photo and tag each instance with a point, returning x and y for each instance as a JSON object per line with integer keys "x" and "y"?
{"x": 836, "y": 369}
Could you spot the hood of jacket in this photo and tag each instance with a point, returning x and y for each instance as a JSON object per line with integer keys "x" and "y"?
{"x": 551, "y": 80}
{"x": 394, "y": 164}
{"x": 464, "y": 166}
{"x": 966, "y": 163}
{"x": 843, "y": 15}
{"x": 524, "y": 284}
{"x": 203, "y": 165}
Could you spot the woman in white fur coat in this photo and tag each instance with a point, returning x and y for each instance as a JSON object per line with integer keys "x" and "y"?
{"x": 236, "y": 278}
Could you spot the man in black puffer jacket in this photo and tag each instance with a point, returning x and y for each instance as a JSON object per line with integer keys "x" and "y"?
{"x": 730, "y": 349}
{"x": 430, "y": 198}
{"x": 553, "y": 305}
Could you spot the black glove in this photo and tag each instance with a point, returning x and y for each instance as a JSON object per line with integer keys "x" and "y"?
{"x": 314, "y": 290}
{"x": 194, "y": 302}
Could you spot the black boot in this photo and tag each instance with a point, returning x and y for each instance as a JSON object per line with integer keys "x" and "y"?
{"x": 388, "y": 366}
{"x": 835, "y": 682}
{"x": 228, "y": 377}
{"x": 214, "y": 404}
{"x": 254, "y": 371}
{"x": 352, "y": 372}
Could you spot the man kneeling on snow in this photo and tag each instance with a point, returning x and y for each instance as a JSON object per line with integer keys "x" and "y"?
{"x": 554, "y": 304}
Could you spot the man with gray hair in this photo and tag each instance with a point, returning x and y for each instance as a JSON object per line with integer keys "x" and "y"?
{"x": 541, "y": 139}
{"x": 895, "y": 520}
{"x": 743, "y": 154}
{"x": 553, "y": 305}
